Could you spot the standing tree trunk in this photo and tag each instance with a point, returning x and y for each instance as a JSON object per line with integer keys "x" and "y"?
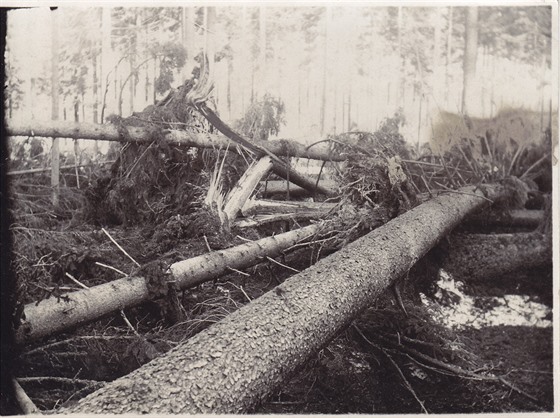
{"x": 105, "y": 57}
{"x": 400, "y": 52}
{"x": 448, "y": 53}
{"x": 468, "y": 99}
{"x": 94, "y": 84}
{"x": 237, "y": 362}
{"x": 55, "y": 151}
{"x": 188, "y": 39}
{"x": 210, "y": 38}
{"x": 262, "y": 78}
{"x": 328, "y": 14}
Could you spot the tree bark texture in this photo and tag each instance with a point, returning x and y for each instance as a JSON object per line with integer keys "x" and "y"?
{"x": 73, "y": 309}
{"x": 269, "y": 207}
{"x": 278, "y": 187}
{"x": 516, "y": 218}
{"x": 61, "y": 129}
{"x": 237, "y": 362}
{"x": 475, "y": 257}
{"x": 259, "y": 220}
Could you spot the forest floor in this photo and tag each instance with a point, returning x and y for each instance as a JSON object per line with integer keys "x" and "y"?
{"x": 350, "y": 377}
{"x": 358, "y": 372}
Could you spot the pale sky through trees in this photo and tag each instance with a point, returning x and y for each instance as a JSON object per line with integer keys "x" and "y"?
{"x": 336, "y": 67}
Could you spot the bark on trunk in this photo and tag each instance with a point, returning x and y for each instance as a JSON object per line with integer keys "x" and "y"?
{"x": 276, "y": 187}
{"x": 245, "y": 186}
{"x": 269, "y": 207}
{"x": 260, "y": 220}
{"x": 281, "y": 147}
{"x": 483, "y": 257}
{"x": 58, "y": 314}
{"x": 235, "y": 363}
{"x": 517, "y": 218}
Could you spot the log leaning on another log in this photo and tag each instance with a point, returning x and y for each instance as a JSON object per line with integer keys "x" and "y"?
{"x": 235, "y": 363}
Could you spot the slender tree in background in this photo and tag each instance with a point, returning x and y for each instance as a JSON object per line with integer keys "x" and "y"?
{"x": 448, "y": 51}
{"x": 261, "y": 80}
{"x": 328, "y": 15}
{"x": 210, "y": 35}
{"x": 55, "y": 152}
{"x": 188, "y": 39}
{"x": 400, "y": 51}
{"x": 469, "y": 59}
{"x": 395, "y": 45}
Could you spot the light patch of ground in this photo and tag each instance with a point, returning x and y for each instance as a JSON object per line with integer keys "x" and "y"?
{"x": 477, "y": 312}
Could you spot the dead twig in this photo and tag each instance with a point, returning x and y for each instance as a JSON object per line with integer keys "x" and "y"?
{"x": 111, "y": 268}
{"x": 120, "y": 248}
{"x": 456, "y": 370}
{"x": 448, "y": 190}
{"x": 407, "y": 384}
{"x": 76, "y": 280}
{"x": 282, "y": 265}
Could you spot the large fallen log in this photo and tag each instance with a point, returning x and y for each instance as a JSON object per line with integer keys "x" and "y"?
{"x": 475, "y": 257}
{"x": 259, "y": 220}
{"x": 235, "y": 363}
{"x": 280, "y": 187}
{"x": 269, "y": 207}
{"x": 61, "y": 129}
{"x": 516, "y": 218}
{"x": 55, "y": 315}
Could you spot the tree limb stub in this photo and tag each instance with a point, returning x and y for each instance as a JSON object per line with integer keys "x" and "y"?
{"x": 237, "y": 362}
{"x": 108, "y": 132}
{"x": 54, "y": 315}
{"x": 280, "y": 167}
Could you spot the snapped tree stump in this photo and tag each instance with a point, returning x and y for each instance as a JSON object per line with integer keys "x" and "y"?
{"x": 235, "y": 363}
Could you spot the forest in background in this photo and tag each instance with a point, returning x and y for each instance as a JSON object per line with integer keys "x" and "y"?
{"x": 180, "y": 240}
{"x": 331, "y": 69}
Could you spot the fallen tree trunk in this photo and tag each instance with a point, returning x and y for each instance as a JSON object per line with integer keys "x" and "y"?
{"x": 277, "y": 187}
{"x": 73, "y": 309}
{"x": 94, "y": 131}
{"x": 518, "y": 218}
{"x": 235, "y": 363}
{"x": 259, "y": 220}
{"x": 269, "y": 207}
{"x": 475, "y": 257}
{"x": 65, "y": 167}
